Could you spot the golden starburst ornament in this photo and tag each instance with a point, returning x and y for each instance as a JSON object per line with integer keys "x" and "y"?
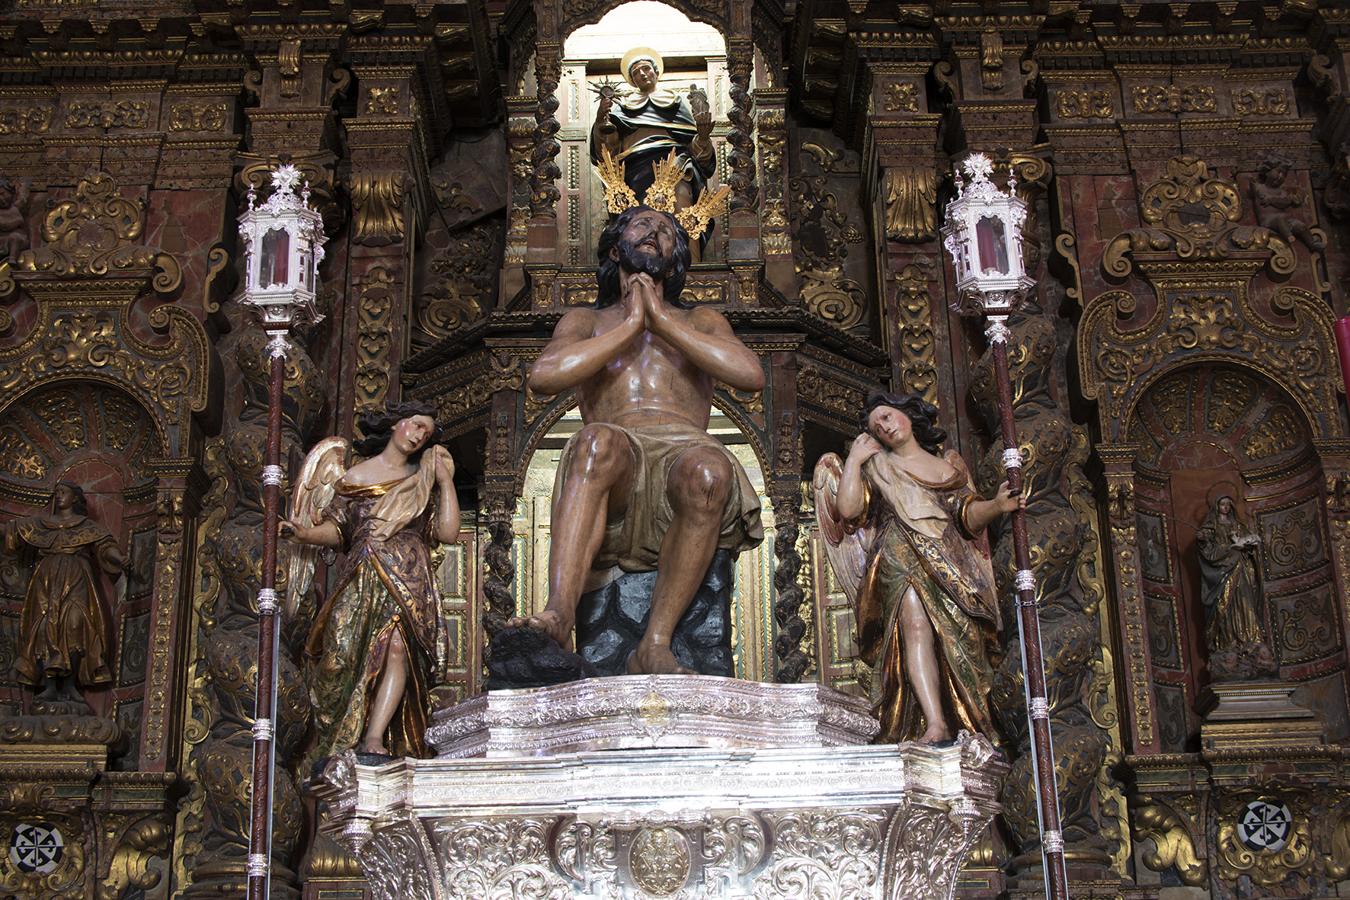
{"x": 618, "y": 195}
{"x": 710, "y": 205}
{"x": 668, "y": 173}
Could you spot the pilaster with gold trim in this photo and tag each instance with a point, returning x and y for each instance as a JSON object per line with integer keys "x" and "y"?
{"x": 901, "y": 169}
{"x": 390, "y": 141}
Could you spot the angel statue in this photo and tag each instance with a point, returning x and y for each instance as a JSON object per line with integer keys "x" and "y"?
{"x": 902, "y": 530}
{"x": 371, "y": 649}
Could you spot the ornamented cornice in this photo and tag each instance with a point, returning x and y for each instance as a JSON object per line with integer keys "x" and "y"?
{"x": 1208, "y": 321}
{"x": 1159, "y": 48}
{"x": 1191, "y": 214}
{"x": 92, "y": 235}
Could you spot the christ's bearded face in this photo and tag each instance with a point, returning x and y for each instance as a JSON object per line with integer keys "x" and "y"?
{"x": 647, "y": 245}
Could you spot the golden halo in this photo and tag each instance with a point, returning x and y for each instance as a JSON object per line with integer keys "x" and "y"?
{"x": 636, "y": 54}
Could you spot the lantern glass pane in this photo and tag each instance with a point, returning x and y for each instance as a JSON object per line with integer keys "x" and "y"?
{"x": 991, "y": 241}
{"x": 276, "y": 255}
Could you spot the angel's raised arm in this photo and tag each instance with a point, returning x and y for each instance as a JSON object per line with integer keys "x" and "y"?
{"x": 846, "y": 543}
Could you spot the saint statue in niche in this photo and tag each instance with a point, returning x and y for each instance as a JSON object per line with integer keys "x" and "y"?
{"x": 902, "y": 529}
{"x": 641, "y": 123}
{"x": 1230, "y": 590}
{"x": 13, "y": 218}
{"x": 63, "y": 631}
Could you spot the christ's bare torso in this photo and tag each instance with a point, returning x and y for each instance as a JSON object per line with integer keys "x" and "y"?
{"x": 649, "y": 382}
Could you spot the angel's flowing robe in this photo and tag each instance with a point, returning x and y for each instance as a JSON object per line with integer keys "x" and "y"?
{"x": 385, "y": 584}
{"x": 922, "y": 542}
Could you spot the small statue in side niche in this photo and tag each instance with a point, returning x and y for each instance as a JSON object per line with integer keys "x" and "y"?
{"x": 13, "y": 218}
{"x": 1231, "y": 594}
{"x": 63, "y": 630}
{"x": 372, "y": 646}
{"x": 902, "y": 527}
{"x": 642, "y": 123}
{"x": 1277, "y": 206}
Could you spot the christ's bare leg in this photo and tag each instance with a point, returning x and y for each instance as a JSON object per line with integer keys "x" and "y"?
{"x": 700, "y": 481}
{"x": 388, "y": 695}
{"x": 921, "y": 665}
{"x": 595, "y": 486}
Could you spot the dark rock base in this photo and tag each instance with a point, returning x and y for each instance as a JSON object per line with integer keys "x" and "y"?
{"x": 526, "y": 658}
{"x": 612, "y": 620}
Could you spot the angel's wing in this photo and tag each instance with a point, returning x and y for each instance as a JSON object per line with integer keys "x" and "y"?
{"x": 314, "y": 490}
{"x": 846, "y": 545}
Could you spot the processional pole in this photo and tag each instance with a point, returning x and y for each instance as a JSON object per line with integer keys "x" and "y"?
{"x": 283, "y": 246}
{"x": 983, "y": 234}
{"x": 1343, "y": 349}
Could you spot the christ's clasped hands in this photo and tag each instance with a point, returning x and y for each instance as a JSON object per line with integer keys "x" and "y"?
{"x": 646, "y": 305}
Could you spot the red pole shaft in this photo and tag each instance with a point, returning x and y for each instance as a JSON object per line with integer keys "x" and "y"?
{"x": 1343, "y": 345}
{"x": 264, "y": 727}
{"x": 1029, "y": 628}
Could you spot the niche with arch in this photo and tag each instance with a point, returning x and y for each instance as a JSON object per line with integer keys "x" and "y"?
{"x": 694, "y": 53}
{"x": 1200, "y": 432}
{"x": 103, "y": 440}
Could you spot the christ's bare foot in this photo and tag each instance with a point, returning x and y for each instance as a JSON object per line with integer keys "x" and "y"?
{"x": 655, "y": 659}
{"x": 936, "y": 734}
{"x": 551, "y": 622}
{"x": 374, "y": 747}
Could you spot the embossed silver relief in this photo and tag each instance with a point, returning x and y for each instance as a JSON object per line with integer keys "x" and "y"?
{"x": 689, "y": 823}
{"x": 398, "y": 861}
{"x": 825, "y": 853}
{"x": 653, "y": 711}
{"x": 498, "y": 859}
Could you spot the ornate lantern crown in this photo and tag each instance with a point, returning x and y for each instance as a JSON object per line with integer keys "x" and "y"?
{"x": 283, "y": 246}
{"x": 983, "y": 234}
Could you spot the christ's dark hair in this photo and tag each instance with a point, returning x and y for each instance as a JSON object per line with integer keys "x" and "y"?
{"x": 607, "y": 278}
{"x": 922, "y": 417}
{"x": 378, "y": 427}
{"x": 81, "y": 504}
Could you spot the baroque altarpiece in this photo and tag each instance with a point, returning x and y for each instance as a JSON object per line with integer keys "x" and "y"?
{"x": 1175, "y": 377}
